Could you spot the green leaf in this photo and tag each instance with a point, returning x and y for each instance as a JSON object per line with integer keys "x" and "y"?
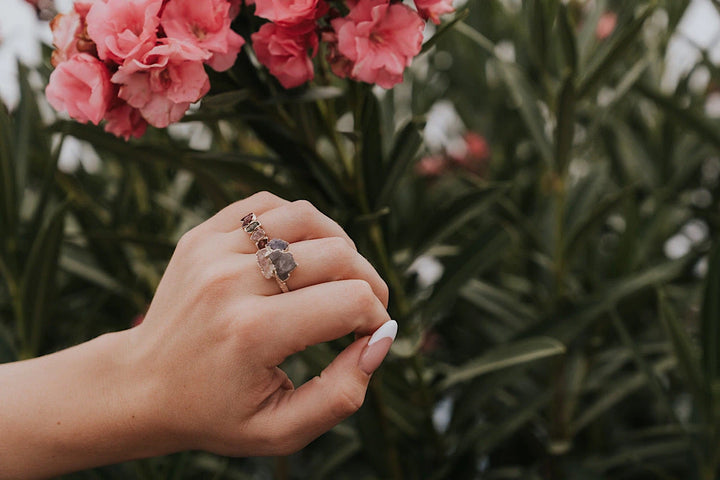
{"x": 8, "y": 192}
{"x": 565, "y": 129}
{"x": 367, "y": 123}
{"x": 309, "y": 95}
{"x": 37, "y": 287}
{"x": 500, "y": 303}
{"x": 567, "y": 39}
{"x": 478, "y": 254}
{"x": 527, "y": 102}
{"x": 503, "y": 356}
{"x": 454, "y": 214}
{"x": 537, "y": 19}
{"x": 686, "y": 117}
{"x": 400, "y": 160}
{"x": 594, "y": 218}
{"x": 710, "y": 319}
{"x": 444, "y": 28}
{"x": 617, "y": 391}
{"x": 604, "y": 60}
{"x": 687, "y": 360}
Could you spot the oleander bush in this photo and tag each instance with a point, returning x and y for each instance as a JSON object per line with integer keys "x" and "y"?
{"x": 543, "y": 206}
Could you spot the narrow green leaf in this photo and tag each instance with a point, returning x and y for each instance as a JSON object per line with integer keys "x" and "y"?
{"x": 537, "y": 26}
{"x": 8, "y": 192}
{"x": 594, "y": 219}
{"x": 454, "y": 214}
{"x": 37, "y": 287}
{"x": 710, "y": 319}
{"x": 501, "y": 303}
{"x": 644, "y": 367}
{"x": 616, "y": 392}
{"x": 368, "y": 125}
{"x": 567, "y": 39}
{"x": 527, "y": 103}
{"x": 687, "y": 360}
{"x": 478, "y": 254}
{"x": 618, "y": 45}
{"x": 507, "y": 355}
{"x": 487, "y": 439}
{"x": 309, "y": 95}
{"x": 565, "y": 129}
{"x": 444, "y": 28}
{"x": 400, "y": 160}
{"x": 685, "y": 117}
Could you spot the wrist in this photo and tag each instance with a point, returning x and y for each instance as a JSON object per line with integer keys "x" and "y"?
{"x": 87, "y": 406}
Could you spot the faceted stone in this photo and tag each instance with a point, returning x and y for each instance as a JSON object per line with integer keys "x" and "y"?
{"x": 262, "y": 242}
{"x": 257, "y": 234}
{"x": 278, "y": 244}
{"x": 252, "y": 226}
{"x": 284, "y": 263}
{"x": 250, "y": 217}
{"x": 266, "y": 265}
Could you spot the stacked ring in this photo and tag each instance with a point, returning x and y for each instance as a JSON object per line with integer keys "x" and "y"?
{"x": 273, "y": 256}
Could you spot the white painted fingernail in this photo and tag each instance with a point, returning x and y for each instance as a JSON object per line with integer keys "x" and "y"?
{"x": 378, "y": 347}
{"x": 387, "y": 330}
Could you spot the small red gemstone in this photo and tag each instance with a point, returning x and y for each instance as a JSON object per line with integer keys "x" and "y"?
{"x": 262, "y": 243}
{"x": 247, "y": 219}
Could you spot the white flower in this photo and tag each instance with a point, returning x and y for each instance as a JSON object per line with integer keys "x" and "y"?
{"x": 21, "y": 34}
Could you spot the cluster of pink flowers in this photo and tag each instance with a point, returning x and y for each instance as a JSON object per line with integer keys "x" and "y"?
{"x": 137, "y": 62}
{"x": 134, "y": 62}
{"x": 374, "y": 42}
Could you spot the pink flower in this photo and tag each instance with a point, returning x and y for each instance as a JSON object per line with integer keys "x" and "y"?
{"x": 290, "y": 12}
{"x": 125, "y": 121}
{"x": 236, "y": 5}
{"x": 284, "y": 51}
{"x": 380, "y": 39}
{"x": 476, "y": 155}
{"x": 164, "y": 83}
{"x": 606, "y": 25}
{"x": 432, "y": 9}
{"x": 206, "y": 24}
{"x": 69, "y": 34}
{"x": 81, "y": 86}
{"x": 432, "y": 166}
{"x": 123, "y": 29}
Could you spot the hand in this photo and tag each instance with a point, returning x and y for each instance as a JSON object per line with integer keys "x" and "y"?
{"x": 201, "y": 371}
{"x": 216, "y": 331}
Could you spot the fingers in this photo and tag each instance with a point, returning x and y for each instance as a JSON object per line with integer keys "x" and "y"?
{"x": 319, "y": 313}
{"x": 326, "y": 260}
{"x": 299, "y": 221}
{"x": 230, "y": 217}
{"x": 299, "y": 416}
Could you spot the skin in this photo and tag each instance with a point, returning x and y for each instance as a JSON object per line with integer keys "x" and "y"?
{"x": 201, "y": 371}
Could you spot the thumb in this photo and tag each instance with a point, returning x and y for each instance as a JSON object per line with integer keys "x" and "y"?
{"x": 338, "y": 392}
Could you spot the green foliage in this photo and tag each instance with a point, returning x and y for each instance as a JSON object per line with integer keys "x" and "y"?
{"x": 559, "y": 342}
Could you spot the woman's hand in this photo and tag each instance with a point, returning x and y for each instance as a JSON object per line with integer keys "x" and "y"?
{"x": 217, "y": 330}
{"x": 201, "y": 371}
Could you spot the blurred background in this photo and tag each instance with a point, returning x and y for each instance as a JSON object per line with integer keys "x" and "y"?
{"x": 541, "y": 194}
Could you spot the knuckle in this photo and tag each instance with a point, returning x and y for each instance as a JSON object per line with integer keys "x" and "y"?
{"x": 264, "y": 197}
{"x": 347, "y": 400}
{"x": 337, "y": 249}
{"x": 384, "y": 293}
{"x": 363, "y": 296}
{"x": 305, "y": 210}
{"x": 189, "y": 239}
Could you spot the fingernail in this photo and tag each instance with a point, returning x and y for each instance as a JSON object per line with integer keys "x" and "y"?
{"x": 378, "y": 347}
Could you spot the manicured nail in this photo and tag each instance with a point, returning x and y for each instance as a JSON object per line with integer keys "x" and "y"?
{"x": 378, "y": 347}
